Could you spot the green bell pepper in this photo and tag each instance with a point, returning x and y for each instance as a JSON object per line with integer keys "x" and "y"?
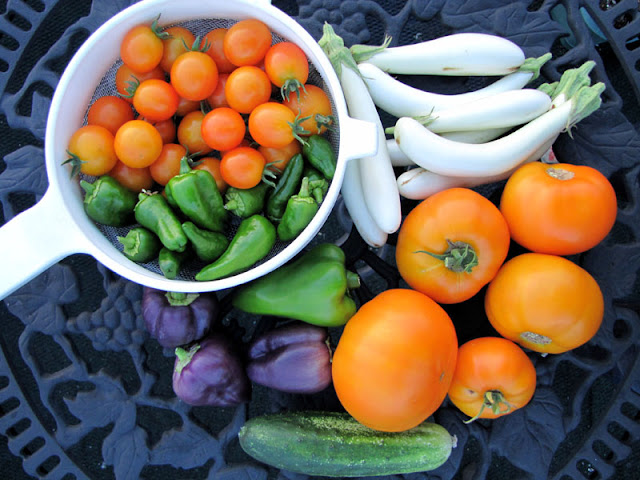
{"x": 153, "y": 212}
{"x": 140, "y": 245}
{"x": 207, "y": 245}
{"x": 195, "y": 193}
{"x": 245, "y": 202}
{"x": 170, "y": 262}
{"x": 108, "y": 202}
{"x": 253, "y": 240}
{"x": 319, "y": 153}
{"x": 301, "y": 209}
{"x": 318, "y": 185}
{"x": 312, "y": 289}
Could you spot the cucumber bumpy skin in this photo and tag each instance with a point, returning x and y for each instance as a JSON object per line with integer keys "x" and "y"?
{"x": 334, "y": 444}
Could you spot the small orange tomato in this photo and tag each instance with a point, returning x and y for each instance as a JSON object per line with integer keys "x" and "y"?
{"x": 395, "y": 360}
{"x": 545, "y": 303}
{"x": 287, "y": 67}
{"x": 272, "y": 125}
{"x": 194, "y": 75}
{"x": 560, "y": 209}
{"x": 246, "y": 88}
{"x": 451, "y": 245}
{"x": 137, "y": 144}
{"x": 134, "y": 179}
{"x": 126, "y": 79}
{"x": 278, "y": 158}
{"x": 314, "y": 103}
{"x": 212, "y": 165}
{"x": 167, "y": 130}
{"x": 141, "y": 48}
{"x": 190, "y": 133}
{"x": 93, "y": 145}
{"x": 246, "y": 42}
{"x": 110, "y": 112}
{"x": 493, "y": 377}
{"x": 223, "y": 128}
{"x": 242, "y": 167}
{"x": 218, "y": 98}
{"x": 167, "y": 165}
{"x": 179, "y": 40}
{"x": 156, "y": 100}
{"x": 216, "y": 49}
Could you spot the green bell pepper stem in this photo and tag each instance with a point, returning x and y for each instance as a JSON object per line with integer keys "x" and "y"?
{"x": 317, "y": 183}
{"x": 170, "y": 262}
{"x": 319, "y": 153}
{"x": 246, "y": 202}
{"x": 286, "y": 187}
{"x": 301, "y": 209}
{"x": 196, "y": 194}
{"x": 108, "y": 202}
{"x": 253, "y": 241}
{"x": 207, "y": 245}
{"x": 140, "y": 245}
{"x": 313, "y": 289}
{"x": 153, "y": 212}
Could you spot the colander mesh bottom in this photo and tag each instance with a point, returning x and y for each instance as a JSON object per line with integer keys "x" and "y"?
{"x": 107, "y": 87}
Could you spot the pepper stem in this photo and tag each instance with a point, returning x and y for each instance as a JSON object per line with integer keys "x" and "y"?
{"x": 493, "y": 399}
{"x": 353, "y": 280}
{"x": 185, "y": 356}
{"x": 180, "y": 299}
{"x": 459, "y": 257}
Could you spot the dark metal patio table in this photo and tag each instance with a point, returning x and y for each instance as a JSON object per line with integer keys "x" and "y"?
{"x": 85, "y": 393}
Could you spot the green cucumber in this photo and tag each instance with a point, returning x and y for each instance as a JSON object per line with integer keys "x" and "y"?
{"x": 334, "y": 444}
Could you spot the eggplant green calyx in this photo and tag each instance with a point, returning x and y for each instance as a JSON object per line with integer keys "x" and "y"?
{"x": 570, "y": 83}
{"x": 493, "y": 399}
{"x": 460, "y": 257}
{"x": 181, "y": 299}
{"x": 333, "y": 46}
{"x": 533, "y": 65}
{"x": 362, "y": 53}
{"x": 185, "y": 356}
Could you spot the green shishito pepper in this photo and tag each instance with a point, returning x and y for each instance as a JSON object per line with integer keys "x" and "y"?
{"x": 319, "y": 153}
{"x": 107, "y": 202}
{"x": 140, "y": 245}
{"x": 253, "y": 240}
{"x": 153, "y": 212}
{"x": 207, "y": 245}
{"x": 318, "y": 185}
{"x": 170, "y": 262}
{"x": 196, "y": 194}
{"x": 301, "y": 209}
{"x": 245, "y": 202}
{"x": 311, "y": 289}
{"x": 286, "y": 187}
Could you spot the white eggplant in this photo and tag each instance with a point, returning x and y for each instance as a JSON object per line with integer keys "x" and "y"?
{"x": 456, "y": 54}
{"x": 447, "y": 157}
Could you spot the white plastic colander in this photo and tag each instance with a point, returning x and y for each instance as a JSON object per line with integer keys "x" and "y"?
{"x": 57, "y": 225}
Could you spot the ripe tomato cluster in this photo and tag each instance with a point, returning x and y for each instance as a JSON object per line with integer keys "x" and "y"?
{"x": 231, "y": 99}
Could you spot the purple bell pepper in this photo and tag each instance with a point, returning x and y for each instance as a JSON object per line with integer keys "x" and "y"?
{"x": 175, "y": 319}
{"x": 294, "y": 358}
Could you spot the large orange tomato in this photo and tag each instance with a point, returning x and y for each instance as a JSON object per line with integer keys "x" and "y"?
{"x": 395, "y": 360}
{"x": 493, "y": 377}
{"x": 451, "y": 245}
{"x": 560, "y": 209}
{"x": 545, "y": 303}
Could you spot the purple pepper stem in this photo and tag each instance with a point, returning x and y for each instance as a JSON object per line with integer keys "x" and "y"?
{"x": 181, "y": 299}
{"x": 185, "y": 356}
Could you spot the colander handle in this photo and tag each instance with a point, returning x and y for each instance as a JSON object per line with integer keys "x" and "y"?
{"x": 366, "y": 133}
{"x": 36, "y": 239}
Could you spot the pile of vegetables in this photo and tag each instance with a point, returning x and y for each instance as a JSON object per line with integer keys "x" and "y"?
{"x": 212, "y": 151}
{"x": 398, "y": 358}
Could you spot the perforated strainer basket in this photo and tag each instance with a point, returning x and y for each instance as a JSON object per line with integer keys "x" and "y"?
{"x": 57, "y": 225}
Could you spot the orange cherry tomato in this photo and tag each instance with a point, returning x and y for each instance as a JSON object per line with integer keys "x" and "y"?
{"x": 194, "y": 75}
{"x": 134, "y": 179}
{"x": 493, "y": 377}
{"x": 271, "y": 124}
{"x": 395, "y": 360}
{"x": 287, "y": 67}
{"x": 242, "y": 167}
{"x": 278, "y": 158}
{"x": 185, "y": 106}
{"x": 137, "y": 143}
{"x": 212, "y": 165}
{"x": 218, "y": 98}
{"x": 246, "y": 88}
{"x": 223, "y": 128}
{"x": 155, "y": 100}
{"x": 190, "y": 133}
{"x": 560, "y": 209}
{"x": 545, "y": 303}
{"x": 246, "y": 42}
{"x": 174, "y": 45}
{"x": 167, "y": 165}
{"x": 216, "y": 49}
{"x": 94, "y": 146}
{"x": 166, "y": 128}
{"x": 126, "y": 79}
{"x": 141, "y": 48}
{"x": 451, "y": 245}
{"x": 110, "y": 112}
{"x": 314, "y": 103}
